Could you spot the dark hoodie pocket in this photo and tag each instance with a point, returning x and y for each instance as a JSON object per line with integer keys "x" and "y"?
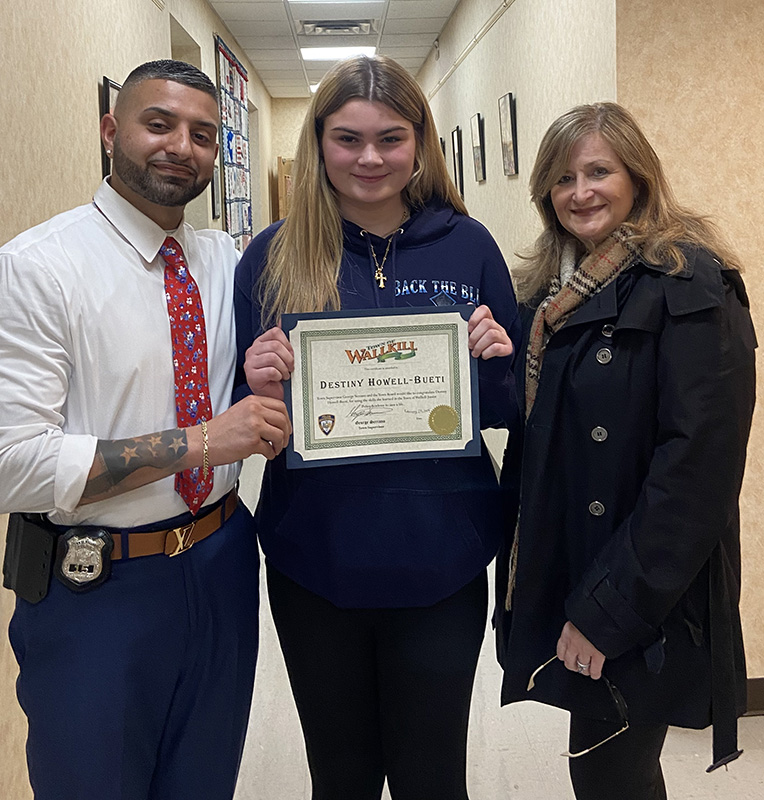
{"x": 368, "y": 528}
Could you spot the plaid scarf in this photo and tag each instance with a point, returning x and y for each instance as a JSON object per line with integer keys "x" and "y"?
{"x": 567, "y": 294}
{"x": 593, "y": 274}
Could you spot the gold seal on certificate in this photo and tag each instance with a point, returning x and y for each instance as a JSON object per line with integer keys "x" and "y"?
{"x": 444, "y": 420}
{"x": 381, "y": 384}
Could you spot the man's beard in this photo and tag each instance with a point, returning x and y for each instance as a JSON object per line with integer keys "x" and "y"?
{"x": 167, "y": 191}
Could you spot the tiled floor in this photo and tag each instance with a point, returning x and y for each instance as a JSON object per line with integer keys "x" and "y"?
{"x": 513, "y": 751}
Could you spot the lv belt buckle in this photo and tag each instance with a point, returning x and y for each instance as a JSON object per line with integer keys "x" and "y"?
{"x": 184, "y": 540}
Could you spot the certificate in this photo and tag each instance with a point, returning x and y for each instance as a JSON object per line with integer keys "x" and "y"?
{"x": 381, "y": 384}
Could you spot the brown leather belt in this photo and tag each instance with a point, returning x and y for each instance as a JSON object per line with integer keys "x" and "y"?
{"x": 173, "y": 541}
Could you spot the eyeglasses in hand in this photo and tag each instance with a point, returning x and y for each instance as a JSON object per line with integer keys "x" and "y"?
{"x": 620, "y": 705}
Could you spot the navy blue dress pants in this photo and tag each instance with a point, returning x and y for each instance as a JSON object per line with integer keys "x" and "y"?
{"x": 140, "y": 689}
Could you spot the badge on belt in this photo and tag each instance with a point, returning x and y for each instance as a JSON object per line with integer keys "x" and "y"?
{"x": 83, "y": 558}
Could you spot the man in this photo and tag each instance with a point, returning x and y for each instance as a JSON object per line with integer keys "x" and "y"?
{"x": 136, "y": 668}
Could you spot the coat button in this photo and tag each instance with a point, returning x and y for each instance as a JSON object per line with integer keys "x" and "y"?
{"x": 599, "y": 434}
{"x": 607, "y": 330}
{"x": 604, "y": 355}
{"x": 596, "y": 509}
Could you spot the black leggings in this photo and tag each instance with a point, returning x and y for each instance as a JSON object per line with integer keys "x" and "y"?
{"x": 382, "y": 692}
{"x": 625, "y": 768}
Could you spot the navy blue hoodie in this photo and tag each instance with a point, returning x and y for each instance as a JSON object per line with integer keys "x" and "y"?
{"x": 393, "y": 533}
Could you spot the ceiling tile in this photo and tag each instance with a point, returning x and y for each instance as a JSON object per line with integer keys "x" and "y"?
{"x": 410, "y": 63}
{"x": 272, "y": 59}
{"x": 256, "y": 43}
{"x": 288, "y": 75}
{"x": 264, "y": 31}
{"x": 316, "y": 66}
{"x": 256, "y": 27}
{"x": 315, "y": 75}
{"x": 405, "y": 9}
{"x": 238, "y": 11}
{"x": 429, "y": 25}
{"x": 407, "y": 40}
{"x": 331, "y": 11}
{"x": 293, "y": 92}
{"x": 398, "y": 53}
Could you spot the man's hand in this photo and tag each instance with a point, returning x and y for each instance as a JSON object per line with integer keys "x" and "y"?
{"x": 253, "y": 425}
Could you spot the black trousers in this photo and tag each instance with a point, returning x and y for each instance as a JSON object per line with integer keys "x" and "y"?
{"x": 625, "y": 768}
{"x": 382, "y": 692}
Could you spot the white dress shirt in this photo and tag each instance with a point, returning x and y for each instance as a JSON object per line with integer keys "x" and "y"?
{"x": 85, "y": 354}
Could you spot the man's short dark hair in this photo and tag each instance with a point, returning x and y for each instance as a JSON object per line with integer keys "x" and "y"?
{"x": 168, "y": 69}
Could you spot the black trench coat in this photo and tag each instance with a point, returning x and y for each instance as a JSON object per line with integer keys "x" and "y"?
{"x": 628, "y": 481}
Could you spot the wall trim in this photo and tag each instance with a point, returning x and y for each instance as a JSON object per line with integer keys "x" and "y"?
{"x": 755, "y": 697}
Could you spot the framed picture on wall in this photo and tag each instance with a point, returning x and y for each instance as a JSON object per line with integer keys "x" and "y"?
{"x": 236, "y": 184}
{"x": 456, "y": 148}
{"x": 478, "y": 146}
{"x": 108, "y": 97}
{"x": 508, "y": 130}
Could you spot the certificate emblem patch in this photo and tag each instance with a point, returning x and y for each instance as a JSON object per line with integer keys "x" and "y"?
{"x": 326, "y": 423}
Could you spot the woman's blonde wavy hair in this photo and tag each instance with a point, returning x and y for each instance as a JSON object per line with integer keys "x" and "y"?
{"x": 657, "y": 222}
{"x": 303, "y": 260}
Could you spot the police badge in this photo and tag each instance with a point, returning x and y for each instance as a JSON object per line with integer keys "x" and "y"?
{"x": 83, "y": 558}
{"x": 326, "y": 423}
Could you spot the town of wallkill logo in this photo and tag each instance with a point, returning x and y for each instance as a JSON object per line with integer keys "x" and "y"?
{"x": 326, "y": 423}
{"x": 382, "y": 352}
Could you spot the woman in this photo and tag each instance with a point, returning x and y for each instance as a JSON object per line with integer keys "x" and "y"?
{"x": 376, "y": 571}
{"x": 637, "y": 373}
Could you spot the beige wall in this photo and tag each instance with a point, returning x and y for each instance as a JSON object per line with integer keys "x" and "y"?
{"x": 53, "y": 55}
{"x": 693, "y": 74}
{"x": 551, "y": 54}
{"x": 287, "y": 115}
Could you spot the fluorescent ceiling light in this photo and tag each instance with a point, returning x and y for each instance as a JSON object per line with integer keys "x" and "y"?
{"x": 334, "y": 53}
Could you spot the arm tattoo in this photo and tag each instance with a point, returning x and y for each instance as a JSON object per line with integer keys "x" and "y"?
{"x": 116, "y": 460}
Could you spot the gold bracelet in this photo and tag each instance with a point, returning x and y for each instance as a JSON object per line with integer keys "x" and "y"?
{"x": 206, "y": 446}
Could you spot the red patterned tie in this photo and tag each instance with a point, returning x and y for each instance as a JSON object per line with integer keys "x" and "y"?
{"x": 189, "y": 355}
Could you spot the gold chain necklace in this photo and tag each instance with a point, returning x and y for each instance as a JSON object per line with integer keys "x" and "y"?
{"x": 379, "y": 275}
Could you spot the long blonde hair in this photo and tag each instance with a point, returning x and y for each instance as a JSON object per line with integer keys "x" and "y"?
{"x": 303, "y": 260}
{"x": 657, "y": 222}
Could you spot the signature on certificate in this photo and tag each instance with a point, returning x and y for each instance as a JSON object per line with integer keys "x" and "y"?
{"x": 362, "y": 410}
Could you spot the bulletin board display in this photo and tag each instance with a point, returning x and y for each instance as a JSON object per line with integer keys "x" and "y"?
{"x": 234, "y": 145}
